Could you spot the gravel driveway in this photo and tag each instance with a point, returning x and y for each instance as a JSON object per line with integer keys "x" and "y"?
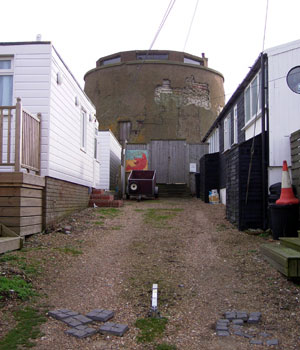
{"x": 202, "y": 264}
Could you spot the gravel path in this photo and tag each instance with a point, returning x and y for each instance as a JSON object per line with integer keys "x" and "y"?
{"x": 202, "y": 264}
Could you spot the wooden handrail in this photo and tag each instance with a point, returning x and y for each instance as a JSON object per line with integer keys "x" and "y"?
{"x": 27, "y": 138}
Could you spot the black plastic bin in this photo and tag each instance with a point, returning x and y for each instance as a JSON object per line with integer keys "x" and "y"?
{"x": 284, "y": 220}
{"x": 197, "y": 183}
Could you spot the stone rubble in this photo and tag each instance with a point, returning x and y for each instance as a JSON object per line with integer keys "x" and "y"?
{"x": 233, "y": 324}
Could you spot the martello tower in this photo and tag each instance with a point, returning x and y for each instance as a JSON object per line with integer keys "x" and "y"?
{"x": 142, "y": 95}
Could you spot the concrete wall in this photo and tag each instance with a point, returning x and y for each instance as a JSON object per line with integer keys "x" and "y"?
{"x": 162, "y": 99}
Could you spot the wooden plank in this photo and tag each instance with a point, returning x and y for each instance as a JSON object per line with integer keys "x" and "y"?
{"x": 10, "y": 243}
{"x": 20, "y": 201}
{"x": 291, "y": 242}
{"x": 295, "y": 136}
{"x": 13, "y": 221}
{"x": 20, "y": 192}
{"x": 27, "y": 230}
{"x": 22, "y": 178}
{"x": 21, "y": 211}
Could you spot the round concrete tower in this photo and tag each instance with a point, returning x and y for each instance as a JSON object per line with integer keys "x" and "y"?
{"x": 142, "y": 96}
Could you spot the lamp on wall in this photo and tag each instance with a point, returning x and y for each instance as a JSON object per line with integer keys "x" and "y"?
{"x": 59, "y": 78}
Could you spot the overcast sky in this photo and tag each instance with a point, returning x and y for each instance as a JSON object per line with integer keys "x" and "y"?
{"x": 230, "y": 33}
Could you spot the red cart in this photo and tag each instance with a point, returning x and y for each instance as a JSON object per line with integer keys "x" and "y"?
{"x": 142, "y": 183}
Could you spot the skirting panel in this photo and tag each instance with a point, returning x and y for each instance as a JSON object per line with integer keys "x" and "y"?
{"x": 62, "y": 198}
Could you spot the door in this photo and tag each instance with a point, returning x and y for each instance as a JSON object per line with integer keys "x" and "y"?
{"x": 168, "y": 158}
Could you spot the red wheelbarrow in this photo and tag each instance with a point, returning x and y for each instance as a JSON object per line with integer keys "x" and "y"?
{"x": 142, "y": 183}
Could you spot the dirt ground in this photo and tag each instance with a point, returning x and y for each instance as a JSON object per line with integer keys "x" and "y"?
{"x": 202, "y": 264}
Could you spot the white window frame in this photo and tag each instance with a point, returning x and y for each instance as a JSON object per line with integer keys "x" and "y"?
{"x": 253, "y": 106}
{"x": 83, "y": 130}
{"x": 8, "y": 72}
{"x": 214, "y": 143}
{"x": 227, "y": 133}
{"x": 235, "y": 125}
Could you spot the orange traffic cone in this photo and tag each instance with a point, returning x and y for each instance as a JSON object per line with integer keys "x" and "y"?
{"x": 287, "y": 195}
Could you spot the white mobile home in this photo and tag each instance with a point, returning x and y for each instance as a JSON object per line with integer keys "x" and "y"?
{"x": 66, "y": 150}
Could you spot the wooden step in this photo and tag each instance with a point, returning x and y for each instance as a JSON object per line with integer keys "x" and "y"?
{"x": 290, "y": 242}
{"x": 285, "y": 260}
{"x": 10, "y": 243}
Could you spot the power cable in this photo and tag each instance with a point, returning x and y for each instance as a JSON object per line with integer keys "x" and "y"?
{"x": 191, "y": 24}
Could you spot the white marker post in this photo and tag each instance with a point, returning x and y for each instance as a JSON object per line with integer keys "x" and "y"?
{"x": 154, "y": 307}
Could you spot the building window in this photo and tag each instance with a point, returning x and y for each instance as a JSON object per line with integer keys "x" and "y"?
{"x": 83, "y": 128}
{"x": 214, "y": 142}
{"x": 125, "y": 128}
{"x": 112, "y": 60}
{"x": 235, "y": 125}
{"x": 6, "y": 81}
{"x": 227, "y": 133}
{"x": 96, "y": 144}
{"x": 252, "y": 97}
{"x": 192, "y": 61}
{"x": 152, "y": 56}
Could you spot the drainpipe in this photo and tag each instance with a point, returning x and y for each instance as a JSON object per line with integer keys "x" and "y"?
{"x": 264, "y": 139}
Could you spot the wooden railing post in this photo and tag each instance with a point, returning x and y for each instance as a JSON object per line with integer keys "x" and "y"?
{"x": 39, "y": 115}
{"x": 18, "y": 136}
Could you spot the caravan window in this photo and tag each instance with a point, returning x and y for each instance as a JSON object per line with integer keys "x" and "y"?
{"x": 6, "y": 81}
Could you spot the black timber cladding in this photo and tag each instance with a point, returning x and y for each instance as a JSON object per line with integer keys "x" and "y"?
{"x": 209, "y": 174}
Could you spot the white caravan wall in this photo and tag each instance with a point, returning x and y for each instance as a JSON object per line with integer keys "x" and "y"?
{"x": 284, "y": 104}
{"x": 67, "y": 161}
{"x": 104, "y": 139}
{"x": 31, "y": 82}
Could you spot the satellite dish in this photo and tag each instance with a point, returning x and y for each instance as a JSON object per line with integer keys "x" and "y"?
{"x": 293, "y": 79}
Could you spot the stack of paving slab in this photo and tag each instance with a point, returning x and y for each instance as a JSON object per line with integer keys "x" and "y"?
{"x": 80, "y": 324}
{"x": 234, "y": 322}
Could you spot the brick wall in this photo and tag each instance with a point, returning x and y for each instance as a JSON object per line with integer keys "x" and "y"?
{"x": 61, "y": 198}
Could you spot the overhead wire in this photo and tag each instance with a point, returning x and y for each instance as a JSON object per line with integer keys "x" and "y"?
{"x": 191, "y": 24}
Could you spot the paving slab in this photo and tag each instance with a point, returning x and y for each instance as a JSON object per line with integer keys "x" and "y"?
{"x": 100, "y": 315}
{"x": 221, "y": 327}
{"x": 256, "y": 342}
{"x": 81, "y": 331}
{"x": 242, "y": 315}
{"x": 253, "y": 319}
{"x": 230, "y": 315}
{"x": 271, "y": 342}
{"x": 238, "y": 322}
{"x": 77, "y": 320}
{"x": 223, "y": 320}
{"x": 62, "y": 313}
{"x": 223, "y": 333}
{"x": 113, "y": 328}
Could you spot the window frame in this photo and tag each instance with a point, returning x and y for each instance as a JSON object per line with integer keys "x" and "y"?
{"x": 83, "y": 130}
{"x": 253, "y": 102}
{"x": 227, "y": 132}
{"x": 235, "y": 125}
{"x": 8, "y": 72}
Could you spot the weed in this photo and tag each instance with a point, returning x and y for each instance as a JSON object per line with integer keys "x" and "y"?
{"x": 159, "y": 217}
{"x": 99, "y": 222}
{"x": 165, "y": 346}
{"x": 116, "y": 228}
{"x": 17, "y": 285}
{"x": 221, "y": 227}
{"x": 27, "y": 328}
{"x": 29, "y": 269}
{"x": 70, "y": 250}
{"x": 109, "y": 212}
{"x": 139, "y": 210}
{"x": 252, "y": 251}
{"x": 150, "y": 328}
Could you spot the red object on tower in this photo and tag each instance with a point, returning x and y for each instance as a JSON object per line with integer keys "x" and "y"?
{"x": 287, "y": 195}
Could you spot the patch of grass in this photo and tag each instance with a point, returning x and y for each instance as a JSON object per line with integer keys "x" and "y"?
{"x": 159, "y": 217}
{"x": 27, "y": 329}
{"x": 139, "y": 210}
{"x": 70, "y": 250}
{"x": 17, "y": 285}
{"x": 116, "y": 228}
{"x": 30, "y": 269}
{"x": 109, "y": 212}
{"x": 99, "y": 222}
{"x": 150, "y": 328}
{"x": 165, "y": 346}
